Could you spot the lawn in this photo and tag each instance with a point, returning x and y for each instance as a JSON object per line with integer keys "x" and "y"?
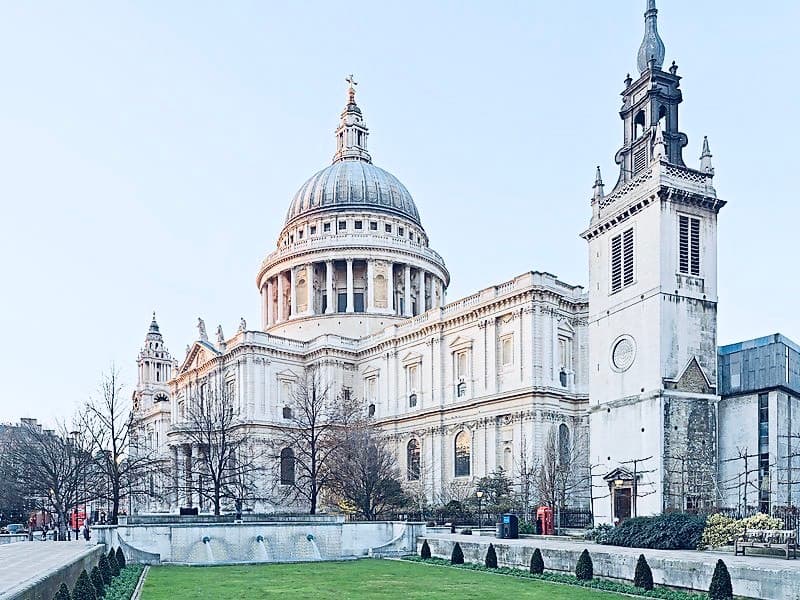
{"x": 350, "y": 580}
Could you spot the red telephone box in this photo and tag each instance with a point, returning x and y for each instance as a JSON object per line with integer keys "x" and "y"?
{"x": 544, "y": 514}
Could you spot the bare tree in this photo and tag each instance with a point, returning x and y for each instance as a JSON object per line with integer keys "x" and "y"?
{"x": 364, "y": 471}
{"x": 226, "y": 456}
{"x": 562, "y": 471}
{"x": 109, "y": 424}
{"x": 304, "y": 446}
{"x": 54, "y": 465}
{"x": 525, "y": 471}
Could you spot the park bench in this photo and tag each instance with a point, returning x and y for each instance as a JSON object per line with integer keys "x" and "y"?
{"x": 778, "y": 539}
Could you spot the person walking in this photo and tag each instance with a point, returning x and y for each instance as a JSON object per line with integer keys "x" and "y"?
{"x": 86, "y": 534}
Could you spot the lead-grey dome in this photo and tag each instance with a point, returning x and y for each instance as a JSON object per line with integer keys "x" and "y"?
{"x": 350, "y": 184}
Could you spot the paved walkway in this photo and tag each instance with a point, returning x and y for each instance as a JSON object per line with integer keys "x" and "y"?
{"x": 24, "y": 563}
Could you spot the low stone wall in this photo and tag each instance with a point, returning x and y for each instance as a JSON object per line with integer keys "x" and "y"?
{"x": 46, "y": 584}
{"x": 10, "y": 538}
{"x": 671, "y": 568}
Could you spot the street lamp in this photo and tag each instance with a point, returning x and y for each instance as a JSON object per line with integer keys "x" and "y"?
{"x": 75, "y": 439}
{"x": 479, "y": 494}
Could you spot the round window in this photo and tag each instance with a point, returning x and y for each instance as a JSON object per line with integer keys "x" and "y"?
{"x": 623, "y": 353}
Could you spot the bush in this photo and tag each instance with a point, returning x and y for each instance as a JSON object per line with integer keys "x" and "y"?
{"x": 105, "y": 569}
{"x": 584, "y": 570}
{"x": 537, "y": 562}
{"x": 112, "y": 562}
{"x": 120, "y": 558}
{"x": 721, "y": 588}
{"x": 97, "y": 581}
{"x": 723, "y": 531}
{"x": 527, "y": 527}
{"x": 598, "y": 534}
{"x": 457, "y": 557}
{"x": 466, "y": 532}
{"x": 675, "y": 531}
{"x": 83, "y": 590}
{"x": 643, "y": 578}
{"x": 491, "y": 558}
{"x": 62, "y": 593}
{"x": 430, "y": 524}
{"x": 123, "y": 586}
{"x": 425, "y": 551}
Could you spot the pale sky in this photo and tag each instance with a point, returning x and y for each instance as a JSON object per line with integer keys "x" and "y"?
{"x": 149, "y": 151}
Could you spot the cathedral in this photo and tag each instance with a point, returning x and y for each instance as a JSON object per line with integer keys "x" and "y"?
{"x": 624, "y": 370}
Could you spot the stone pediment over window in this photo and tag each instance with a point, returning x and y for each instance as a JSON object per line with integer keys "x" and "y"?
{"x": 460, "y": 343}
{"x": 412, "y": 358}
{"x": 371, "y": 372}
{"x": 199, "y": 354}
{"x": 286, "y": 375}
{"x": 693, "y": 379}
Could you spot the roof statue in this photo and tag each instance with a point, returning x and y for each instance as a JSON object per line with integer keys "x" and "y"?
{"x": 651, "y": 52}
{"x": 242, "y": 324}
{"x": 220, "y": 336}
{"x": 201, "y": 328}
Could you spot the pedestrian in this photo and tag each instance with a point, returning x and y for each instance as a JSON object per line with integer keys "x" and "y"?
{"x": 44, "y": 532}
{"x": 86, "y": 534}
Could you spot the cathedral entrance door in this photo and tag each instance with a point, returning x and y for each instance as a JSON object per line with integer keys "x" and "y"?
{"x": 622, "y": 504}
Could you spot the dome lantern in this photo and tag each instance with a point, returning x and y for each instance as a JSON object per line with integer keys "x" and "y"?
{"x": 352, "y": 133}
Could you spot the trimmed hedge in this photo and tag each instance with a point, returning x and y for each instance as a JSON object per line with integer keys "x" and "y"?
{"x": 121, "y": 558}
{"x": 721, "y": 588}
{"x": 643, "y": 578}
{"x": 674, "y": 531}
{"x": 97, "y": 581}
{"x": 537, "y": 562}
{"x": 83, "y": 590}
{"x": 122, "y": 587}
{"x": 112, "y": 562}
{"x": 457, "y": 557}
{"x": 105, "y": 569}
{"x": 491, "y": 558}
{"x": 425, "y": 551}
{"x": 584, "y": 569}
{"x": 598, "y": 584}
{"x": 62, "y": 593}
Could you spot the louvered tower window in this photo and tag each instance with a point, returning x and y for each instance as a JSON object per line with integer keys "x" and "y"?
{"x": 622, "y": 260}
{"x": 689, "y": 245}
{"x": 640, "y": 160}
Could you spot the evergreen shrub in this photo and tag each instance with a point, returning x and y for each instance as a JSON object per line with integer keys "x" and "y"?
{"x": 584, "y": 570}
{"x": 425, "y": 551}
{"x": 105, "y": 569}
{"x": 457, "y": 557}
{"x": 674, "y": 531}
{"x": 721, "y": 588}
{"x": 120, "y": 558}
{"x": 83, "y": 590}
{"x": 112, "y": 563}
{"x": 62, "y": 593}
{"x": 643, "y": 577}
{"x": 537, "y": 562}
{"x": 97, "y": 581}
{"x": 491, "y": 557}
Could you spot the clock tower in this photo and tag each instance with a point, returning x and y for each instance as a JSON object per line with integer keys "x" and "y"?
{"x": 653, "y": 306}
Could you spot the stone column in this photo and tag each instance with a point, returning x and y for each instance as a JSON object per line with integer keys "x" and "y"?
{"x": 329, "y": 288}
{"x": 370, "y": 286}
{"x": 176, "y": 476}
{"x": 349, "y": 285}
{"x": 390, "y": 288}
{"x": 188, "y": 480}
{"x": 310, "y": 287}
{"x": 435, "y": 296}
{"x": 421, "y": 294}
{"x": 407, "y": 309}
{"x": 292, "y": 293}
{"x": 280, "y": 316}
{"x": 270, "y": 308}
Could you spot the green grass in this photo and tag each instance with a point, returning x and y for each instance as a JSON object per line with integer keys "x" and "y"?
{"x": 350, "y": 580}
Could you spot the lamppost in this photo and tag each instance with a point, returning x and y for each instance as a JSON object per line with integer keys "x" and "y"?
{"x": 75, "y": 448}
{"x": 479, "y": 494}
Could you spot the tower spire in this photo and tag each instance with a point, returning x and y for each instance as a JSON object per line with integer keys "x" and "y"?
{"x": 705, "y": 158}
{"x": 651, "y": 52}
{"x": 598, "y": 185}
{"x": 351, "y": 135}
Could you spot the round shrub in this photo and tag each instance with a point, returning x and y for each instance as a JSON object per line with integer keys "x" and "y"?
{"x": 425, "y": 551}
{"x": 105, "y": 569}
{"x": 83, "y": 590}
{"x": 120, "y": 558}
{"x": 97, "y": 581}
{"x": 457, "y": 557}
{"x": 584, "y": 570}
{"x": 674, "y": 531}
{"x": 537, "y": 562}
{"x": 491, "y": 557}
{"x": 643, "y": 578}
{"x": 721, "y": 588}
{"x": 62, "y": 593}
{"x": 112, "y": 562}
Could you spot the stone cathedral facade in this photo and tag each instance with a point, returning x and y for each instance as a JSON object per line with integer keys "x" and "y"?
{"x": 463, "y": 387}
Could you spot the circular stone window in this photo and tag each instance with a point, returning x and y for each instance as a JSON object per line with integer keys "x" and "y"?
{"x": 623, "y": 353}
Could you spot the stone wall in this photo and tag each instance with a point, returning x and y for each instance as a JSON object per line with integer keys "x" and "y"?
{"x": 48, "y": 582}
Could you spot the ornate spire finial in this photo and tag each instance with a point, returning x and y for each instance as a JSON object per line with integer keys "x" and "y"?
{"x": 659, "y": 147}
{"x": 705, "y": 158}
{"x": 351, "y": 135}
{"x": 651, "y": 52}
{"x": 598, "y": 185}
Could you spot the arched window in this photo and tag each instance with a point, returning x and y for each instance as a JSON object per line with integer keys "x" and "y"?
{"x": 508, "y": 462}
{"x": 461, "y": 389}
{"x": 287, "y": 412}
{"x": 662, "y": 116}
{"x": 563, "y": 444}
{"x": 371, "y": 410}
{"x": 462, "y": 454}
{"x": 412, "y": 460}
{"x": 638, "y": 125}
{"x": 287, "y": 466}
{"x": 412, "y": 400}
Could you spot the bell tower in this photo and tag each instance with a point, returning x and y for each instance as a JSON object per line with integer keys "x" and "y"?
{"x": 653, "y": 305}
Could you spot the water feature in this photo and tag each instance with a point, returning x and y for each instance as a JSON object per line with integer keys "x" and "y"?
{"x": 209, "y": 551}
{"x": 263, "y": 547}
{"x": 317, "y": 554}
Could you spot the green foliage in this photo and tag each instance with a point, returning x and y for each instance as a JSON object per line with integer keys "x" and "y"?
{"x": 105, "y": 569}
{"x": 723, "y": 531}
{"x": 537, "y": 563}
{"x": 496, "y": 488}
{"x": 120, "y": 558}
{"x": 643, "y": 578}
{"x": 425, "y": 551}
{"x": 527, "y": 527}
{"x": 721, "y": 588}
{"x": 112, "y": 563}
{"x": 491, "y": 558}
{"x": 62, "y": 593}
{"x": 599, "y": 534}
{"x": 457, "y": 557}
{"x": 584, "y": 570}
{"x": 674, "y": 531}
{"x": 83, "y": 590}
{"x": 563, "y": 578}
{"x": 122, "y": 587}
{"x": 97, "y": 581}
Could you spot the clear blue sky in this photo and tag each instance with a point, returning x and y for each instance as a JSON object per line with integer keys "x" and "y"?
{"x": 149, "y": 151}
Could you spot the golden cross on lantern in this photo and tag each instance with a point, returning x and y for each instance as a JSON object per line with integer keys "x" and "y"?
{"x": 351, "y": 80}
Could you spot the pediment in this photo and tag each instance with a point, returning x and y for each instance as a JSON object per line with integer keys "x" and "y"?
{"x": 692, "y": 379}
{"x": 460, "y": 343}
{"x": 372, "y": 371}
{"x": 411, "y": 358}
{"x": 199, "y": 354}
{"x": 287, "y": 374}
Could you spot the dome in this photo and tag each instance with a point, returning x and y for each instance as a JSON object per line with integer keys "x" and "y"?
{"x": 353, "y": 184}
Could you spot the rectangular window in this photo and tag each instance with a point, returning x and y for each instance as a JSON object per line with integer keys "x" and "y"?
{"x": 372, "y": 389}
{"x": 400, "y": 231}
{"x": 689, "y": 245}
{"x": 300, "y": 235}
{"x": 313, "y": 230}
{"x": 622, "y": 260}
{"x": 326, "y": 227}
{"x": 358, "y": 302}
{"x": 358, "y": 224}
{"x": 640, "y": 160}
{"x": 507, "y": 351}
{"x": 411, "y": 235}
{"x": 324, "y": 302}
{"x": 342, "y": 225}
{"x": 341, "y": 303}
{"x": 373, "y": 226}
{"x": 388, "y": 228}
